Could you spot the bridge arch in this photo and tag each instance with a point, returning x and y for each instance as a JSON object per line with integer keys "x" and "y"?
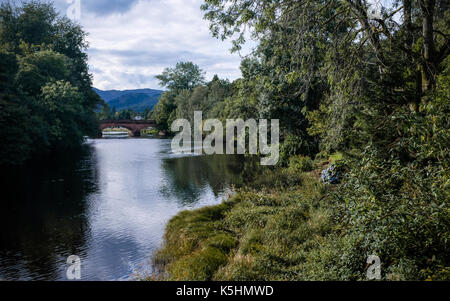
{"x": 134, "y": 126}
{"x": 129, "y": 131}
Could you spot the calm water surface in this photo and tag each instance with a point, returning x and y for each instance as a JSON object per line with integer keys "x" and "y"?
{"x": 109, "y": 205}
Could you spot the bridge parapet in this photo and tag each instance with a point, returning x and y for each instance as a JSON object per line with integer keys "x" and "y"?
{"x": 134, "y": 126}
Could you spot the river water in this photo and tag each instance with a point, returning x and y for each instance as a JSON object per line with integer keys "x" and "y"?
{"x": 108, "y": 205}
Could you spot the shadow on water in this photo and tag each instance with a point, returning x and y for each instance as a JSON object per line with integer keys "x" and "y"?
{"x": 42, "y": 214}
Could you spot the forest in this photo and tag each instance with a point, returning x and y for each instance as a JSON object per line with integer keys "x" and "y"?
{"x": 368, "y": 95}
{"x": 46, "y": 99}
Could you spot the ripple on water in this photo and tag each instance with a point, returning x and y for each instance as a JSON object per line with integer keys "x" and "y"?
{"x": 110, "y": 207}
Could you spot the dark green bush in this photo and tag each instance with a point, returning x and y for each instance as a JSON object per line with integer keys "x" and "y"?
{"x": 301, "y": 164}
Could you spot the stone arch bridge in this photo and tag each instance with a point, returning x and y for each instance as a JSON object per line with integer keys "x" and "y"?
{"x": 134, "y": 126}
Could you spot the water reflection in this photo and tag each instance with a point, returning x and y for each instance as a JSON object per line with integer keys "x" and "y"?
{"x": 109, "y": 205}
{"x": 42, "y": 216}
{"x": 190, "y": 178}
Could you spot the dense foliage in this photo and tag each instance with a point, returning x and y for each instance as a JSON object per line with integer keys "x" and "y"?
{"x": 372, "y": 87}
{"x": 46, "y": 98}
{"x": 183, "y": 98}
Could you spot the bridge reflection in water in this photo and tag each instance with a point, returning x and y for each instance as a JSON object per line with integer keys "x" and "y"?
{"x": 134, "y": 126}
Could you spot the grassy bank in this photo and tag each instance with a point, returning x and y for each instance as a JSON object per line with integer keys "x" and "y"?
{"x": 281, "y": 228}
{"x": 288, "y": 225}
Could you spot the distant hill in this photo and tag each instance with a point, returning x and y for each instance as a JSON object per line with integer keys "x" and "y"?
{"x": 137, "y": 100}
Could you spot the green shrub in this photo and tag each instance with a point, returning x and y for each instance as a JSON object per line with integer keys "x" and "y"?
{"x": 294, "y": 145}
{"x": 336, "y": 157}
{"x": 301, "y": 164}
{"x": 276, "y": 179}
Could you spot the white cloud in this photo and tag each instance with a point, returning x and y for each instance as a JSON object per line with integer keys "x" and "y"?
{"x": 129, "y": 47}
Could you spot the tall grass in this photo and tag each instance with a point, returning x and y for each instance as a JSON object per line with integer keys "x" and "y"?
{"x": 287, "y": 225}
{"x": 274, "y": 230}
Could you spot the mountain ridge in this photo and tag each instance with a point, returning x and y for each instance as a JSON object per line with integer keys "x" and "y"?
{"x": 135, "y": 99}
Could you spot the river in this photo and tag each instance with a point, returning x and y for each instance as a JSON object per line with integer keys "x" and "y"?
{"x": 108, "y": 205}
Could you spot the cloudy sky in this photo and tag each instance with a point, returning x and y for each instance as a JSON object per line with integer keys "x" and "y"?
{"x": 131, "y": 41}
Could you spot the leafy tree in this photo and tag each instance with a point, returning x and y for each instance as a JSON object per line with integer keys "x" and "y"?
{"x": 14, "y": 129}
{"x": 163, "y": 110}
{"x": 62, "y": 104}
{"x": 38, "y": 68}
{"x": 313, "y": 46}
{"x": 185, "y": 76}
{"x": 106, "y": 112}
{"x": 45, "y": 83}
{"x": 8, "y": 65}
{"x": 373, "y": 87}
{"x": 35, "y": 22}
{"x": 183, "y": 103}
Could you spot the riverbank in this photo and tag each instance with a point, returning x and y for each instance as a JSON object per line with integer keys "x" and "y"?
{"x": 288, "y": 225}
{"x": 282, "y": 227}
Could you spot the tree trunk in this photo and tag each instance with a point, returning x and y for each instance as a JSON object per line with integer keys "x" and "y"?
{"x": 409, "y": 42}
{"x": 428, "y": 66}
{"x": 407, "y": 15}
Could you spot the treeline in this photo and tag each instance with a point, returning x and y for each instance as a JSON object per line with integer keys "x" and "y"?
{"x": 108, "y": 113}
{"x": 371, "y": 85}
{"x": 46, "y": 97}
{"x": 188, "y": 91}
